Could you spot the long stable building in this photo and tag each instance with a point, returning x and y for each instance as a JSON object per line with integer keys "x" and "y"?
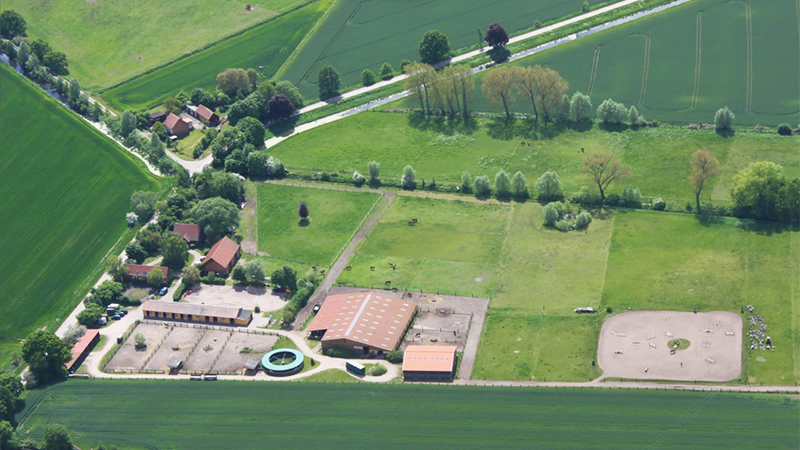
{"x": 365, "y": 322}
{"x": 190, "y": 312}
{"x": 80, "y": 349}
{"x": 429, "y": 362}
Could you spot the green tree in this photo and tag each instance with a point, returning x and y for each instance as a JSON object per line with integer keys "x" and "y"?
{"x": 374, "y": 171}
{"x": 328, "y": 82}
{"x": 466, "y": 182}
{"x": 136, "y": 252}
{"x": 173, "y": 105}
{"x": 6, "y": 434}
{"x": 784, "y": 129}
{"x": 216, "y": 215}
{"x": 497, "y": 86}
{"x": 367, "y": 77}
{"x": 155, "y": 278}
{"x": 8, "y": 404}
{"x": 631, "y": 197}
{"x": 12, "y": 24}
{"x": 191, "y": 275}
{"x": 704, "y": 166}
{"x": 89, "y": 316}
{"x": 482, "y": 187}
{"x": 552, "y": 213}
{"x": 57, "y": 438}
{"x": 519, "y": 185}
{"x": 116, "y": 268}
{"x": 579, "y": 106}
{"x": 409, "y": 177}
{"x": 502, "y": 184}
{"x": 255, "y": 270}
{"x": 40, "y": 48}
{"x": 756, "y": 190}
{"x": 291, "y": 92}
{"x": 604, "y": 169}
{"x": 252, "y": 76}
{"x": 175, "y": 251}
{"x": 11, "y": 382}
{"x": 239, "y": 274}
{"x": 144, "y": 204}
{"x": 233, "y": 81}
{"x": 285, "y": 277}
{"x": 253, "y": 131}
{"x": 549, "y": 186}
{"x": 127, "y": 123}
{"x": 387, "y": 71}
{"x": 434, "y": 47}
{"x": 108, "y": 292}
{"x": 225, "y": 143}
{"x": 46, "y": 354}
{"x": 612, "y": 112}
{"x": 723, "y": 119}
{"x": 228, "y": 187}
{"x": 24, "y": 53}
{"x": 633, "y": 117}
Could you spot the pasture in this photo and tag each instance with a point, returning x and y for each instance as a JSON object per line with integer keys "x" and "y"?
{"x": 231, "y": 415}
{"x": 443, "y": 149}
{"x": 110, "y": 41}
{"x": 360, "y": 35}
{"x": 683, "y": 64}
{"x": 65, "y": 189}
{"x": 334, "y": 217}
{"x": 267, "y": 45}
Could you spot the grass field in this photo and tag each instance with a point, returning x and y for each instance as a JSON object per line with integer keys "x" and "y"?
{"x": 267, "y": 45}
{"x": 683, "y": 64}
{"x": 443, "y": 150}
{"x": 360, "y": 34}
{"x": 335, "y": 216}
{"x": 65, "y": 190}
{"x": 231, "y": 415}
{"x": 109, "y": 41}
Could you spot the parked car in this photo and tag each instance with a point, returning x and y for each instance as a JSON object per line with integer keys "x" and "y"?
{"x": 316, "y": 308}
{"x": 123, "y": 312}
{"x": 116, "y": 317}
{"x": 163, "y": 291}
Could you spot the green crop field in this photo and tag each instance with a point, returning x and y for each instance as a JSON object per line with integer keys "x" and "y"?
{"x": 659, "y": 156}
{"x": 685, "y": 63}
{"x": 360, "y": 34}
{"x": 65, "y": 190}
{"x": 109, "y": 41}
{"x": 334, "y": 217}
{"x": 172, "y": 414}
{"x": 267, "y": 45}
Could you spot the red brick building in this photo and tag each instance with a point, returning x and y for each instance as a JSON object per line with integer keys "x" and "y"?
{"x": 222, "y": 256}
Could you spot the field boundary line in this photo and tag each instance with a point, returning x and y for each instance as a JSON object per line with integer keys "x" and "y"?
{"x": 358, "y": 227}
{"x": 330, "y": 43}
{"x": 593, "y": 73}
{"x": 698, "y": 48}
{"x": 313, "y": 31}
{"x": 645, "y": 70}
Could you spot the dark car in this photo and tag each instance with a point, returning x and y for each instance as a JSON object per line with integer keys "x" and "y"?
{"x": 316, "y": 308}
{"x": 163, "y": 291}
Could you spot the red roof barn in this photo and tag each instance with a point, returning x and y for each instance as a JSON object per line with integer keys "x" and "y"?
{"x": 190, "y": 232}
{"x": 175, "y": 125}
{"x": 222, "y": 256}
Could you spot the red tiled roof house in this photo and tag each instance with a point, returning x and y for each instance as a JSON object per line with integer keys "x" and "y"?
{"x": 206, "y": 115}
{"x": 192, "y": 233}
{"x": 222, "y": 256}
{"x": 139, "y": 272}
{"x": 175, "y": 125}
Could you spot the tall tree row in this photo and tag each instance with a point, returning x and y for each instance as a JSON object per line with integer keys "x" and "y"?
{"x": 448, "y": 91}
{"x": 543, "y": 88}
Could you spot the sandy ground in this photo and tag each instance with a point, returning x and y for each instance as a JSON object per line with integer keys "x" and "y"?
{"x": 236, "y": 297}
{"x": 201, "y": 360}
{"x": 128, "y": 358}
{"x": 634, "y": 345}
{"x": 182, "y": 339}
{"x": 434, "y": 328}
{"x": 233, "y": 359}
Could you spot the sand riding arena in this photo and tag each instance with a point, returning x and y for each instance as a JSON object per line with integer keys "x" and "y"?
{"x": 671, "y": 345}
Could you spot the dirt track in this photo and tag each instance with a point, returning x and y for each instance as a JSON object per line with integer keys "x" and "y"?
{"x": 634, "y": 345}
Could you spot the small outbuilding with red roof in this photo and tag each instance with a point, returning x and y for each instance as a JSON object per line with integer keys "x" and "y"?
{"x": 192, "y": 233}
{"x": 222, "y": 256}
{"x": 176, "y": 125}
{"x": 81, "y": 349}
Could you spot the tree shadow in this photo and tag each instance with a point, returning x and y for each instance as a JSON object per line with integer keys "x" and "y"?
{"x": 766, "y": 228}
{"x": 447, "y": 125}
{"x": 708, "y": 220}
{"x": 304, "y": 222}
{"x": 613, "y": 127}
{"x": 284, "y": 127}
{"x": 582, "y": 126}
{"x": 502, "y": 128}
{"x": 725, "y": 133}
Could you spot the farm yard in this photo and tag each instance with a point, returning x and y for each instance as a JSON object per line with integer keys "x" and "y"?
{"x": 447, "y": 415}
{"x": 65, "y": 189}
{"x": 334, "y": 217}
{"x": 683, "y": 64}
{"x": 268, "y": 45}
{"x": 143, "y": 35}
{"x": 395, "y": 29}
{"x": 442, "y": 150}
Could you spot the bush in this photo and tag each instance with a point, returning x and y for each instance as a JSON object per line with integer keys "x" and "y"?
{"x": 378, "y": 371}
{"x": 659, "y": 204}
{"x": 612, "y": 199}
{"x": 563, "y": 225}
{"x": 723, "y": 119}
{"x": 784, "y": 129}
{"x": 631, "y": 197}
{"x": 612, "y": 112}
{"x": 257, "y": 310}
{"x": 89, "y": 316}
{"x": 176, "y": 296}
{"x": 552, "y": 212}
{"x": 583, "y": 220}
{"x": 395, "y": 356}
{"x": 358, "y": 179}
{"x": 140, "y": 341}
{"x": 609, "y": 310}
{"x": 367, "y": 77}
{"x": 387, "y": 71}
{"x": 586, "y": 196}
{"x": 482, "y": 187}
{"x": 336, "y": 352}
{"x": 409, "y": 175}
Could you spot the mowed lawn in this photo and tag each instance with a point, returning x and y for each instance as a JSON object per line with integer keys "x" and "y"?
{"x": 442, "y": 150}
{"x": 264, "y": 48}
{"x": 182, "y": 414}
{"x": 110, "y": 41}
{"x": 360, "y": 35}
{"x": 334, "y": 217}
{"x": 65, "y": 191}
{"x": 683, "y": 64}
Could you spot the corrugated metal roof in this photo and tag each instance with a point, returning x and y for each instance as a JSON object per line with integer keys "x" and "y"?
{"x": 366, "y": 318}
{"x": 190, "y": 308}
{"x": 429, "y": 358}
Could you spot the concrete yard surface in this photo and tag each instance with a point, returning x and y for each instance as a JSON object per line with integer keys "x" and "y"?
{"x": 635, "y": 345}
